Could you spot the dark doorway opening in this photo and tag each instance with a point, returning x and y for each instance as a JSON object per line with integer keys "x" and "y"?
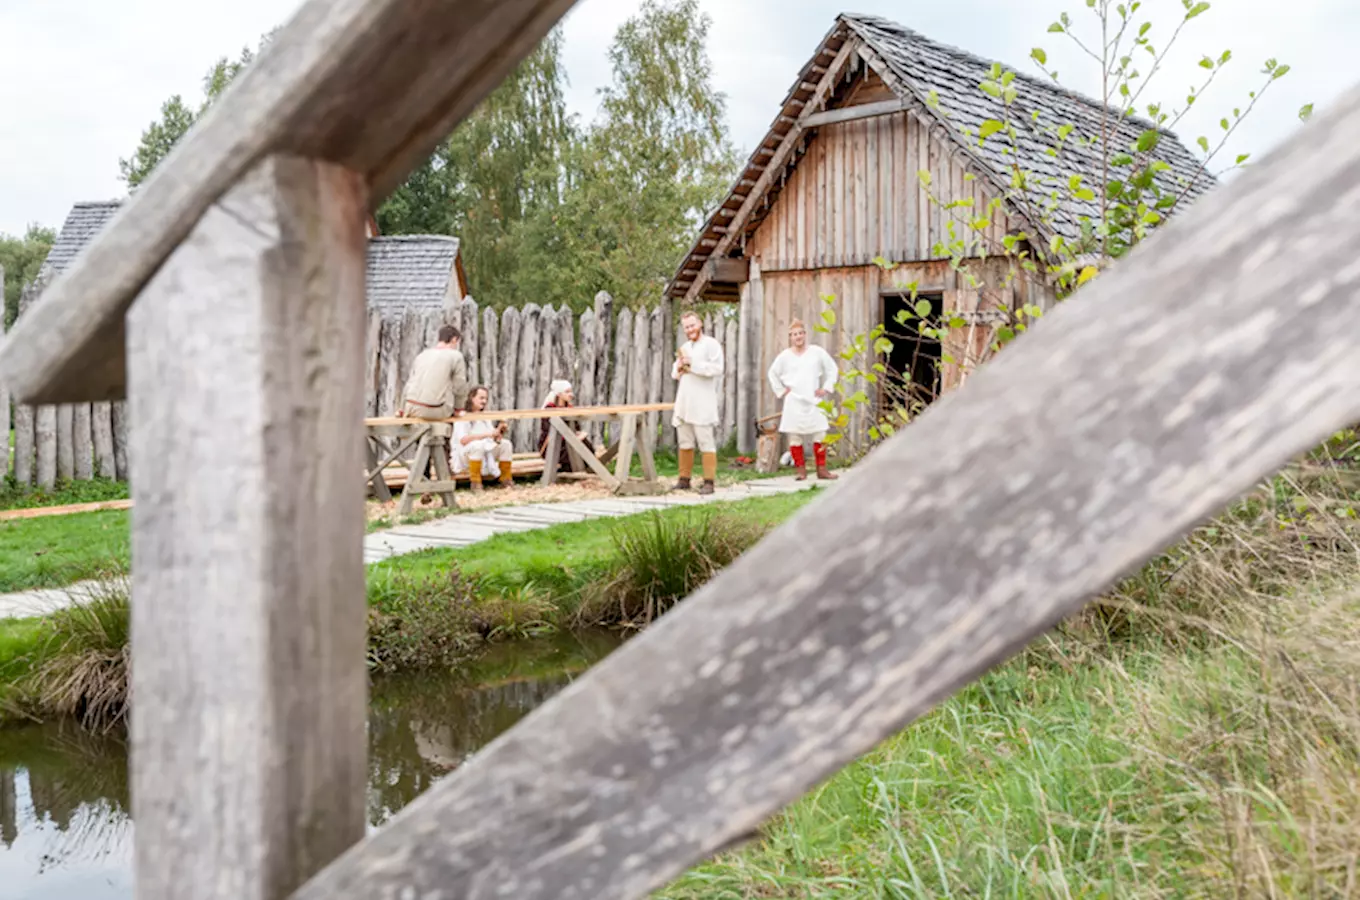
{"x": 914, "y": 362}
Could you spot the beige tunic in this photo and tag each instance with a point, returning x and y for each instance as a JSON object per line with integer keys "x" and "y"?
{"x": 438, "y": 381}
{"x": 696, "y": 397}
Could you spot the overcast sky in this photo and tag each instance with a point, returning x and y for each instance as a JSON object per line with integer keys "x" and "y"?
{"x": 80, "y": 79}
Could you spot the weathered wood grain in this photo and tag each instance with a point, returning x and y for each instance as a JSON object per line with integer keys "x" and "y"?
{"x": 101, "y": 426}
{"x": 45, "y": 441}
{"x": 248, "y": 631}
{"x": 82, "y": 445}
{"x": 564, "y": 346}
{"x": 507, "y": 390}
{"x": 526, "y": 373}
{"x": 412, "y": 342}
{"x": 25, "y": 416}
{"x": 668, "y": 348}
{"x": 544, "y": 374}
{"x": 604, "y": 330}
{"x": 4, "y": 391}
{"x": 640, "y": 362}
{"x": 390, "y": 379}
{"x": 371, "y": 84}
{"x": 488, "y": 365}
{"x": 996, "y": 514}
{"x": 731, "y": 347}
{"x": 373, "y": 403}
{"x": 749, "y": 375}
{"x": 119, "y": 419}
{"x": 658, "y": 373}
{"x": 585, "y": 390}
{"x": 623, "y": 354}
{"x": 66, "y": 436}
{"x": 472, "y": 346}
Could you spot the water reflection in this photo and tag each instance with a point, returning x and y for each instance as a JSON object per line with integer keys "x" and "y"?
{"x": 65, "y": 830}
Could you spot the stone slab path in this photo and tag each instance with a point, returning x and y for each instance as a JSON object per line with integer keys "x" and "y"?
{"x": 468, "y": 528}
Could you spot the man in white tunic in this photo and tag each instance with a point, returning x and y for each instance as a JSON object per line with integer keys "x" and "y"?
{"x": 801, "y": 376}
{"x": 480, "y": 445}
{"x": 698, "y": 365}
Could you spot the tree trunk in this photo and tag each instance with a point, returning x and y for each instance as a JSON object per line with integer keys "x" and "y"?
{"x": 101, "y": 416}
{"x": 82, "y": 445}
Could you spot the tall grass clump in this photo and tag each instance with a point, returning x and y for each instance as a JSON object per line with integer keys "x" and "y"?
{"x": 658, "y": 560}
{"x": 421, "y": 621}
{"x": 82, "y": 668}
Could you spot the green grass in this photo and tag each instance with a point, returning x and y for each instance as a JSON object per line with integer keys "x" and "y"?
{"x": 65, "y": 493}
{"x": 561, "y": 559}
{"x": 53, "y": 551}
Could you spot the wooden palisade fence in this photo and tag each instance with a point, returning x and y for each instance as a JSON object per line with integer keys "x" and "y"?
{"x": 610, "y": 355}
{"x": 1178, "y": 378}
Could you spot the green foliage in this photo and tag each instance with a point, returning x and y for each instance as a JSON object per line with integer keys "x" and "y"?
{"x": 65, "y": 493}
{"x": 177, "y": 118}
{"x": 21, "y": 258}
{"x": 658, "y": 561}
{"x": 1115, "y": 207}
{"x": 421, "y": 621}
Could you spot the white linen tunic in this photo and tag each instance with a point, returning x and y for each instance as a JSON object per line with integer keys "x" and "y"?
{"x": 485, "y": 449}
{"x": 803, "y": 374}
{"x": 696, "y": 398}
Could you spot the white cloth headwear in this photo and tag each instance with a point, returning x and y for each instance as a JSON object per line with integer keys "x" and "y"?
{"x": 557, "y": 386}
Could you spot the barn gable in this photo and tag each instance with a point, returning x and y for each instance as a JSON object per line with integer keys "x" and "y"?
{"x": 873, "y": 81}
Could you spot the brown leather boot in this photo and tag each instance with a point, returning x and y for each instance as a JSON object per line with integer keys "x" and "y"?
{"x": 475, "y": 473}
{"x": 707, "y": 487}
{"x": 823, "y": 473}
{"x": 799, "y": 463}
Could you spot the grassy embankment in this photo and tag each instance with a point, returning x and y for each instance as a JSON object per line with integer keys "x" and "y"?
{"x": 429, "y": 609}
{"x": 1194, "y": 733}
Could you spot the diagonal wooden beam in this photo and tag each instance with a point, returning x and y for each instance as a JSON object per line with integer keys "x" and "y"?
{"x": 1167, "y": 387}
{"x": 370, "y": 84}
{"x": 825, "y": 86}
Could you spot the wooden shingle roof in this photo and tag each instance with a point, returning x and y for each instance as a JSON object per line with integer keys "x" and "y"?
{"x": 403, "y": 270}
{"x": 940, "y": 83}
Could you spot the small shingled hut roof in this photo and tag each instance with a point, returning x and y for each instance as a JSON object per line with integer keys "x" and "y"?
{"x": 418, "y": 271}
{"x": 941, "y": 84}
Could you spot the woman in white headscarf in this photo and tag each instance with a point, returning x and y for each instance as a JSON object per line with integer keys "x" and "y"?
{"x": 560, "y": 397}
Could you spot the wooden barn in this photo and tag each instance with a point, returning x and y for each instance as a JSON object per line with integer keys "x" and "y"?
{"x": 835, "y": 185}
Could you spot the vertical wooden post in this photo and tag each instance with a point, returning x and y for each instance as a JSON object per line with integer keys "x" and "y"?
{"x": 83, "y": 447}
{"x": 4, "y": 394}
{"x": 668, "y": 384}
{"x": 526, "y": 374}
{"x": 45, "y": 438}
{"x": 731, "y": 383}
{"x": 604, "y": 329}
{"x": 119, "y": 419}
{"x": 658, "y": 373}
{"x": 66, "y": 436}
{"x": 105, "y": 464}
{"x": 25, "y": 419}
{"x": 488, "y": 360}
{"x": 749, "y": 374}
{"x": 245, "y": 376}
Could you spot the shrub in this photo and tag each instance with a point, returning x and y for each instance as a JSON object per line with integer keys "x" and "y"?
{"x": 422, "y": 621}
{"x": 660, "y": 560}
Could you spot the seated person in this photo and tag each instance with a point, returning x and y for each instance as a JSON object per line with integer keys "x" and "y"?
{"x": 479, "y": 444}
{"x": 559, "y": 397}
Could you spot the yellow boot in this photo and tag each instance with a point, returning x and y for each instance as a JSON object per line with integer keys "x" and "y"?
{"x": 710, "y": 472}
{"x": 686, "y": 469}
{"x": 507, "y": 478}
{"x": 475, "y": 473}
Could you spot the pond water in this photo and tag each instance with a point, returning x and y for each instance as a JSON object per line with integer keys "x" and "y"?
{"x": 65, "y": 829}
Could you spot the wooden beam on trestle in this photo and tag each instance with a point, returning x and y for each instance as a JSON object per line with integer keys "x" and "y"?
{"x": 244, "y": 363}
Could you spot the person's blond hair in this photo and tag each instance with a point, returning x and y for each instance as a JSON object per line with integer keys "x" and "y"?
{"x": 797, "y": 323}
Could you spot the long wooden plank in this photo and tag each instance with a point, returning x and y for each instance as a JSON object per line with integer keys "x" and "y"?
{"x": 370, "y": 84}
{"x": 854, "y": 113}
{"x": 1127, "y": 415}
{"x": 248, "y": 757}
{"x": 38, "y": 512}
{"x": 493, "y": 415}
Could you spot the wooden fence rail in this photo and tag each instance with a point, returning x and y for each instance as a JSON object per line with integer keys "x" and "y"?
{"x": 1178, "y": 378}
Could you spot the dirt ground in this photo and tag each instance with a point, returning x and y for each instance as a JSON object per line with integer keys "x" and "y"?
{"x": 521, "y": 493}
